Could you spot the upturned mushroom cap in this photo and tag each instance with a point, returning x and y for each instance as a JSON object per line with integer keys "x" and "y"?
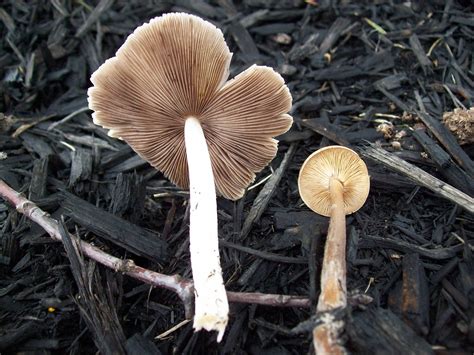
{"x": 176, "y": 67}
{"x": 341, "y": 163}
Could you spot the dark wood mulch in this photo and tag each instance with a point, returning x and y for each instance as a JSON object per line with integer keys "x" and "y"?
{"x": 382, "y": 73}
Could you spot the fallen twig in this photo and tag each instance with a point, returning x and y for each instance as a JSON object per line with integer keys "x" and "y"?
{"x": 182, "y": 287}
{"x": 261, "y": 201}
{"x": 267, "y": 299}
{"x": 418, "y": 175}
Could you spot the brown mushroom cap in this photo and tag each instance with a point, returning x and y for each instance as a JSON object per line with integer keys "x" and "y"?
{"x": 175, "y": 67}
{"x": 341, "y": 163}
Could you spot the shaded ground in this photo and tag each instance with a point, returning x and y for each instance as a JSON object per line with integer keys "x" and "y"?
{"x": 358, "y": 74}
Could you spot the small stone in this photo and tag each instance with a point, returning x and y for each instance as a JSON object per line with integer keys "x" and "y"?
{"x": 287, "y": 69}
{"x": 282, "y": 38}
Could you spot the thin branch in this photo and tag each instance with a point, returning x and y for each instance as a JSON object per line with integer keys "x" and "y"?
{"x": 182, "y": 287}
{"x": 269, "y": 299}
{"x": 419, "y": 176}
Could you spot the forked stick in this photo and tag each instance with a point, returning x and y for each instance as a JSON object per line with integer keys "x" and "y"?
{"x": 182, "y": 287}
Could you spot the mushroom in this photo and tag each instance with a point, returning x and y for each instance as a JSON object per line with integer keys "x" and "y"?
{"x": 333, "y": 182}
{"x": 166, "y": 94}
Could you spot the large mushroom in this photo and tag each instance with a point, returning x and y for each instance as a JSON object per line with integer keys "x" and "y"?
{"x": 333, "y": 182}
{"x": 166, "y": 94}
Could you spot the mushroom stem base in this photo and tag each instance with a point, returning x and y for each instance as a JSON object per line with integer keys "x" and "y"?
{"x": 326, "y": 337}
{"x": 211, "y": 305}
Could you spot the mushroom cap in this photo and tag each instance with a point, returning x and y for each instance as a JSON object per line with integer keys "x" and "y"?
{"x": 176, "y": 67}
{"x": 341, "y": 163}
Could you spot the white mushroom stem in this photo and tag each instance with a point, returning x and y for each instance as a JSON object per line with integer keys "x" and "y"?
{"x": 211, "y": 305}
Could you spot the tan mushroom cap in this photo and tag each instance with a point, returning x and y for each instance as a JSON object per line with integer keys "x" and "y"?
{"x": 334, "y": 161}
{"x": 175, "y": 67}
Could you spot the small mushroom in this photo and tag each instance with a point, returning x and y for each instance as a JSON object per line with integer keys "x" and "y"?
{"x": 166, "y": 94}
{"x": 333, "y": 182}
